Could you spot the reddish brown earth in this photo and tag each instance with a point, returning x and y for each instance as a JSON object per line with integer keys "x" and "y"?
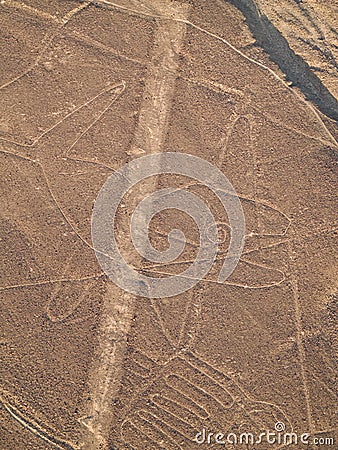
{"x": 89, "y": 86}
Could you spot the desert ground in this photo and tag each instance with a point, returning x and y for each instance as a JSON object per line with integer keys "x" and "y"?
{"x": 89, "y": 86}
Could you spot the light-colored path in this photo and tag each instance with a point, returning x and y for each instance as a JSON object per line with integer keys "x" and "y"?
{"x": 149, "y": 137}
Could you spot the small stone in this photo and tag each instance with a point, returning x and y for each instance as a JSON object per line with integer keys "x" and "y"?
{"x": 48, "y": 66}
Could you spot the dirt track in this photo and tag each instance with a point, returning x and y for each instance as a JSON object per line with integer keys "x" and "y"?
{"x": 89, "y": 86}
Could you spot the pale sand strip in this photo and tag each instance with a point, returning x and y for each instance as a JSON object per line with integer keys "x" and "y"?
{"x": 150, "y": 134}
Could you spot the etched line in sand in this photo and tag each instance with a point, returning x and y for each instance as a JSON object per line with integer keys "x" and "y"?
{"x": 148, "y": 139}
{"x": 299, "y": 336}
{"x": 139, "y": 10}
{"x": 36, "y": 429}
{"x": 188, "y": 393}
{"x": 50, "y": 36}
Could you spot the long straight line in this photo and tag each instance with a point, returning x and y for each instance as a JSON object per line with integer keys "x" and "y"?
{"x": 118, "y": 308}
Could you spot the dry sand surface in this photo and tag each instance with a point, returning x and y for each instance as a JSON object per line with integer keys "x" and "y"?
{"x": 86, "y": 87}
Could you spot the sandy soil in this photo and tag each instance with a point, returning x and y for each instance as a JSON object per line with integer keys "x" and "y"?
{"x": 87, "y": 87}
